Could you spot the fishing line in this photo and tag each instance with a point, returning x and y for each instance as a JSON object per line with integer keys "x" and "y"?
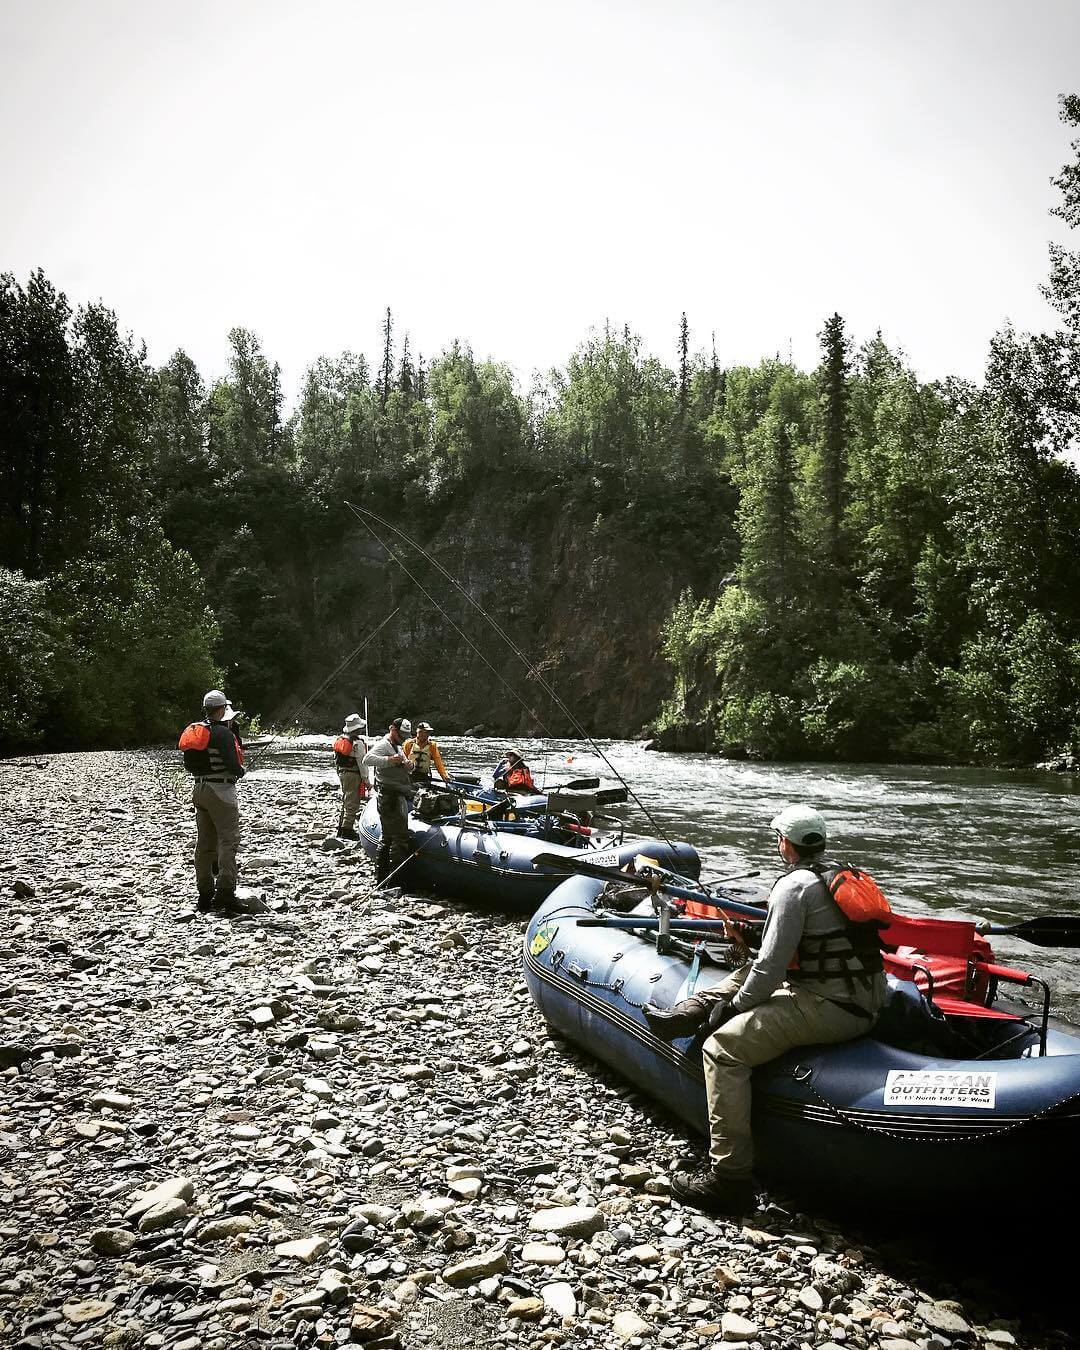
{"x": 332, "y": 676}
{"x": 531, "y": 667}
{"x": 461, "y": 633}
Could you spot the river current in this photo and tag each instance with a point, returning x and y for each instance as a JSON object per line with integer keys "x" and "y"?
{"x": 957, "y": 842}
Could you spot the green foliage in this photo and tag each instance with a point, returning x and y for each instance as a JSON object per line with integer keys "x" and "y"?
{"x": 138, "y": 639}
{"x": 851, "y": 563}
{"x": 29, "y": 636}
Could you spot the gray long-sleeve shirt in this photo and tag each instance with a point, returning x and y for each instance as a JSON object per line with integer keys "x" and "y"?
{"x": 389, "y": 775}
{"x": 799, "y": 903}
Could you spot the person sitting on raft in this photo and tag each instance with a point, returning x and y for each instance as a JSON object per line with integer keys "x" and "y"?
{"x": 423, "y": 754}
{"x": 834, "y": 992}
{"x": 512, "y": 773}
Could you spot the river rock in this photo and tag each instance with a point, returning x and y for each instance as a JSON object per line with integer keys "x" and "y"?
{"x": 529, "y": 1309}
{"x": 568, "y": 1221}
{"x": 112, "y": 1241}
{"x": 626, "y": 1325}
{"x": 176, "y": 1188}
{"x": 303, "y": 1249}
{"x": 944, "y": 1317}
{"x": 560, "y": 1298}
{"x": 475, "y": 1268}
{"x": 736, "y": 1328}
{"x": 88, "y": 1310}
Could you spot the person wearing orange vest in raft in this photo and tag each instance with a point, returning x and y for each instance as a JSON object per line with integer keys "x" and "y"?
{"x": 214, "y": 756}
{"x": 512, "y": 773}
{"x": 423, "y": 755}
{"x": 349, "y": 751}
{"x": 817, "y": 979}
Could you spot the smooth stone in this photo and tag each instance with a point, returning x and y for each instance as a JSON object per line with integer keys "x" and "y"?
{"x": 526, "y": 1309}
{"x": 91, "y": 1310}
{"x": 626, "y": 1325}
{"x": 568, "y": 1221}
{"x": 942, "y": 1317}
{"x": 232, "y": 1226}
{"x": 163, "y": 1215}
{"x": 175, "y": 1188}
{"x": 542, "y": 1254}
{"x": 476, "y": 1268}
{"x": 112, "y": 1241}
{"x": 303, "y": 1249}
{"x": 736, "y": 1328}
{"x": 560, "y": 1298}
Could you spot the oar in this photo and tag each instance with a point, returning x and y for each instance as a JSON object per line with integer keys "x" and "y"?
{"x": 650, "y": 924}
{"x": 575, "y": 785}
{"x": 560, "y": 863}
{"x": 1048, "y": 930}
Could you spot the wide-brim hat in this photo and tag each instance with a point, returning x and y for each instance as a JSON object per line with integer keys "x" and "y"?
{"x": 424, "y": 726}
{"x": 515, "y": 753}
{"x": 354, "y": 722}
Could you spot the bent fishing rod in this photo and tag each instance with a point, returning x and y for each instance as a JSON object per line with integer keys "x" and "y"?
{"x": 530, "y": 666}
{"x": 332, "y": 676}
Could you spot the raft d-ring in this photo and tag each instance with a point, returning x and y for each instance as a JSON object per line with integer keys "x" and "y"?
{"x": 658, "y": 976}
{"x": 801, "y": 1073}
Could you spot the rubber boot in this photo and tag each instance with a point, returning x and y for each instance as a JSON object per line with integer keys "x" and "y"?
{"x": 669, "y": 1024}
{"x": 382, "y": 863}
{"x": 347, "y": 832}
{"x": 206, "y": 897}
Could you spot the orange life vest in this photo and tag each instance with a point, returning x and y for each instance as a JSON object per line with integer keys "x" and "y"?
{"x": 195, "y": 736}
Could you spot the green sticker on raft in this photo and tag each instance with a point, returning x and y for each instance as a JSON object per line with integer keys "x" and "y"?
{"x": 542, "y": 938}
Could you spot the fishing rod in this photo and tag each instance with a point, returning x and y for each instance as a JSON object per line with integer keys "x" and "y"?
{"x": 531, "y": 667}
{"x": 332, "y": 676}
{"x": 460, "y": 632}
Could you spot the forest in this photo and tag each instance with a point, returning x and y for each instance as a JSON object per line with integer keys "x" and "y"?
{"x": 842, "y": 563}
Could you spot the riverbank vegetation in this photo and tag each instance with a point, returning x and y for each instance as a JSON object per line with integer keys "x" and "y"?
{"x": 842, "y": 563}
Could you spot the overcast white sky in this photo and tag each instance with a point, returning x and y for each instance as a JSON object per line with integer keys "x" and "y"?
{"x": 514, "y": 174}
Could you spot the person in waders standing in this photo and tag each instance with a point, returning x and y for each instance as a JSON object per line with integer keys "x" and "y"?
{"x": 349, "y": 751}
{"x": 214, "y": 756}
{"x": 394, "y": 794}
{"x": 818, "y": 979}
{"x": 423, "y": 755}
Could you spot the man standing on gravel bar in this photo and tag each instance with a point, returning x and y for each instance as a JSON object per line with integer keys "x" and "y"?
{"x": 214, "y": 756}
{"x": 826, "y": 916}
{"x": 349, "y": 751}
{"x": 394, "y": 794}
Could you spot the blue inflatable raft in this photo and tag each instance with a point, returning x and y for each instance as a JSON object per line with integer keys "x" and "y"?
{"x": 993, "y": 1116}
{"x": 492, "y": 861}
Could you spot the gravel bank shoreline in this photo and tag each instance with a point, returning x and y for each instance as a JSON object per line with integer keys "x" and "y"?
{"x": 344, "y": 1120}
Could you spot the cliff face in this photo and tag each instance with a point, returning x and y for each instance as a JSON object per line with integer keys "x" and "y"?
{"x": 584, "y": 601}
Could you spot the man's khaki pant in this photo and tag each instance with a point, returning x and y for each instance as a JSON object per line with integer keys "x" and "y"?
{"x": 793, "y": 1016}
{"x": 353, "y": 792}
{"x": 217, "y": 822}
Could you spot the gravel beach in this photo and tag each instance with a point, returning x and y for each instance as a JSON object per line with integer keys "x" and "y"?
{"x": 344, "y": 1121}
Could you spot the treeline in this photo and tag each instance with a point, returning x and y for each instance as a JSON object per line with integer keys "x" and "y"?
{"x": 841, "y": 563}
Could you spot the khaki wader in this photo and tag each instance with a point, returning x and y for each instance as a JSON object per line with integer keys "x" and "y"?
{"x": 791, "y": 1017}
{"x": 354, "y": 790}
{"x": 217, "y": 823}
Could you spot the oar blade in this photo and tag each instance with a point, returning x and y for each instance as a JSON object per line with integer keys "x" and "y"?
{"x": 1048, "y": 930}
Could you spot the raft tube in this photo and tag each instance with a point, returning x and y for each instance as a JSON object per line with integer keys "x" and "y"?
{"x": 861, "y": 1123}
{"x": 478, "y": 861}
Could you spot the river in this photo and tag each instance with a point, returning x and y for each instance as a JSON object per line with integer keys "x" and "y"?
{"x": 958, "y": 842}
